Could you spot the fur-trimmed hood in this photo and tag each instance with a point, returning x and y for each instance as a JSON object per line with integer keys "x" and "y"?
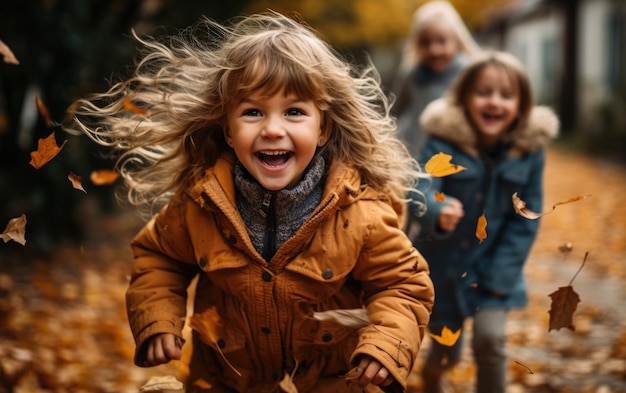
{"x": 448, "y": 122}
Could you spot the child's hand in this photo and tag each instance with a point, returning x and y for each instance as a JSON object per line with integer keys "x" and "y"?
{"x": 450, "y": 214}
{"x": 374, "y": 373}
{"x": 162, "y": 348}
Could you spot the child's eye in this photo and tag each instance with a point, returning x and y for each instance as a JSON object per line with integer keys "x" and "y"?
{"x": 294, "y": 112}
{"x": 252, "y": 112}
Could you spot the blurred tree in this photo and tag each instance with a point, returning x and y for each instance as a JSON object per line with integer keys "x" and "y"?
{"x": 66, "y": 49}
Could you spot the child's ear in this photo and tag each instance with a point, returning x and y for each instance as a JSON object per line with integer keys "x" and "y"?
{"x": 227, "y": 136}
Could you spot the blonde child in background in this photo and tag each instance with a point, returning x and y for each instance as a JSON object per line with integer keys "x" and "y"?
{"x": 489, "y": 125}
{"x": 284, "y": 188}
{"x": 436, "y": 50}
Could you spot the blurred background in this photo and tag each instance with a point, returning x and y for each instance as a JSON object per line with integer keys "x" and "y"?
{"x": 574, "y": 50}
{"x": 61, "y": 295}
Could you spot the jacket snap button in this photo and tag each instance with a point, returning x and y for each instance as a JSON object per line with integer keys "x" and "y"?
{"x": 221, "y": 343}
{"x": 266, "y": 277}
{"x": 327, "y": 274}
{"x": 327, "y": 337}
{"x": 232, "y": 239}
{"x": 266, "y": 330}
{"x": 202, "y": 262}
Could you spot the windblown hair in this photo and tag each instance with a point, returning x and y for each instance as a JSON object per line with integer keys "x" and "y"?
{"x": 167, "y": 120}
{"x": 438, "y": 12}
{"x": 512, "y": 67}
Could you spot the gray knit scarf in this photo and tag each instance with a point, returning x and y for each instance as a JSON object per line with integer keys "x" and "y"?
{"x": 293, "y": 206}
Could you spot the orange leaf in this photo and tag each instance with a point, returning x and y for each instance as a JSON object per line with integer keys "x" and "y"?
{"x": 207, "y": 324}
{"x": 202, "y": 384}
{"x": 103, "y": 177}
{"x": 481, "y": 228}
{"x": 7, "y": 54}
{"x": 47, "y": 149}
{"x": 520, "y": 206}
{"x": 447, "y": 337}
{"x": 43, "y": 111}
{"x": 439, "y": 165}
{"x": 129, "y": 105}
{"x": 77, "y": 181}
{"x": 15, "y": 230}
{"x": 564, "y": 303}
{"x": 440, "y": 196}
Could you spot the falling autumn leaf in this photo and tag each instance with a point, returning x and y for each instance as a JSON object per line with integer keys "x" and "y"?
{"x": 15, "y": 230}
{"x": 562, "y": 308}
{"x": 130, "y": 106}
{"x": 287, "y": 384}
{"x": 481, "y": 228}
{"x": 354, "y": 374}
{"x": 7, "y": 54}
{"x": 447, "y": 337}
{"x": 440, "y": 196}
{"x": 439, "y": 165}
{"x": 208, "y": 325}
{"x": 564, "y": 303}
{"x": 103, "y": 177}
{"x": 166, "y": 383}
{"x": 354, "y": 318}
{"x": 47, "y": 149}
{"x": 43, "y": 111}
{"x": 77, "y": 181}
{"x": 520, "y": 206}
{"x": 202, "y": 384}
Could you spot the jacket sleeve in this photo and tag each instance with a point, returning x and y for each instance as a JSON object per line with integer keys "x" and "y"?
{"x": 502, "y": 269}
{"x": 398, "y": 295}
{"x": 162, "y": 271}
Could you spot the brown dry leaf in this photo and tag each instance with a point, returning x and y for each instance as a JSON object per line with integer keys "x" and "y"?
{"x": 354, "y": 374}
{"x": 447, "y": 337}
{"x": 7, "y": 54}
{"x": 439, "y": 165}
{"x": 165, "y": 384}
{"x": 355, "y": 318}
{"x": 104, "y": 177}
{"x": 43, "y": 111}
{"x": 47, "y": 149}
{"x": 564, "y": 303}
{"x": 129, "y": 105}
{"x": 287, "y": 384}
{"x": 440, "y": 196}
{"x": 77, "y": 181}
{"x": 202, "y": 384}
{"x": 208, "y": 324}
{"x": 520, "y": 206}
{"x": 481, "y": 228}
{"x": 15, "y": 230}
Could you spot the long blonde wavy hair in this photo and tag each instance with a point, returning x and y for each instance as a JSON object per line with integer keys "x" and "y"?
{"x": 167, "y": 120}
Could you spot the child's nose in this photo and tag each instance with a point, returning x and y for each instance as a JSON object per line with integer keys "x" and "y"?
{"x": 273, "y": 127}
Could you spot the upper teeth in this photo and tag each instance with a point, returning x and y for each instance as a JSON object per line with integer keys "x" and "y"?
{"x": 274, "y": 153}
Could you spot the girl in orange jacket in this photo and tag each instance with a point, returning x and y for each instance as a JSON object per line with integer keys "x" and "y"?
{"x": 283, "y": 189}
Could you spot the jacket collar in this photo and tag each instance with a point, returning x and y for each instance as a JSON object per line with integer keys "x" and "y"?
{"x": 443, "y": 120}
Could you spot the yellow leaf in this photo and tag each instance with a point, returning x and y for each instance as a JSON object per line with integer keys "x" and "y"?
{"x": 481, "y": 228}
{"x": 15, "y": 230}
{"x": 439, "y": 165}
{"x": 167, "y": 384}
{"x": 129, "y": 105}
{"x": 447, "y": 337}
{"x": 207, "y": 324}
{"x": 103, "y": 177}
{"x": 47, "y": 149}
{"x": 440, "y": 196}
{"x": 77, "y": 181}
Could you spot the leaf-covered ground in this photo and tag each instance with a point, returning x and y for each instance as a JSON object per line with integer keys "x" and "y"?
{"x": 63, "y": 323}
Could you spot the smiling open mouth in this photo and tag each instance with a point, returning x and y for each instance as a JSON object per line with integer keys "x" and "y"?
{"x": 274, "y": 158}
